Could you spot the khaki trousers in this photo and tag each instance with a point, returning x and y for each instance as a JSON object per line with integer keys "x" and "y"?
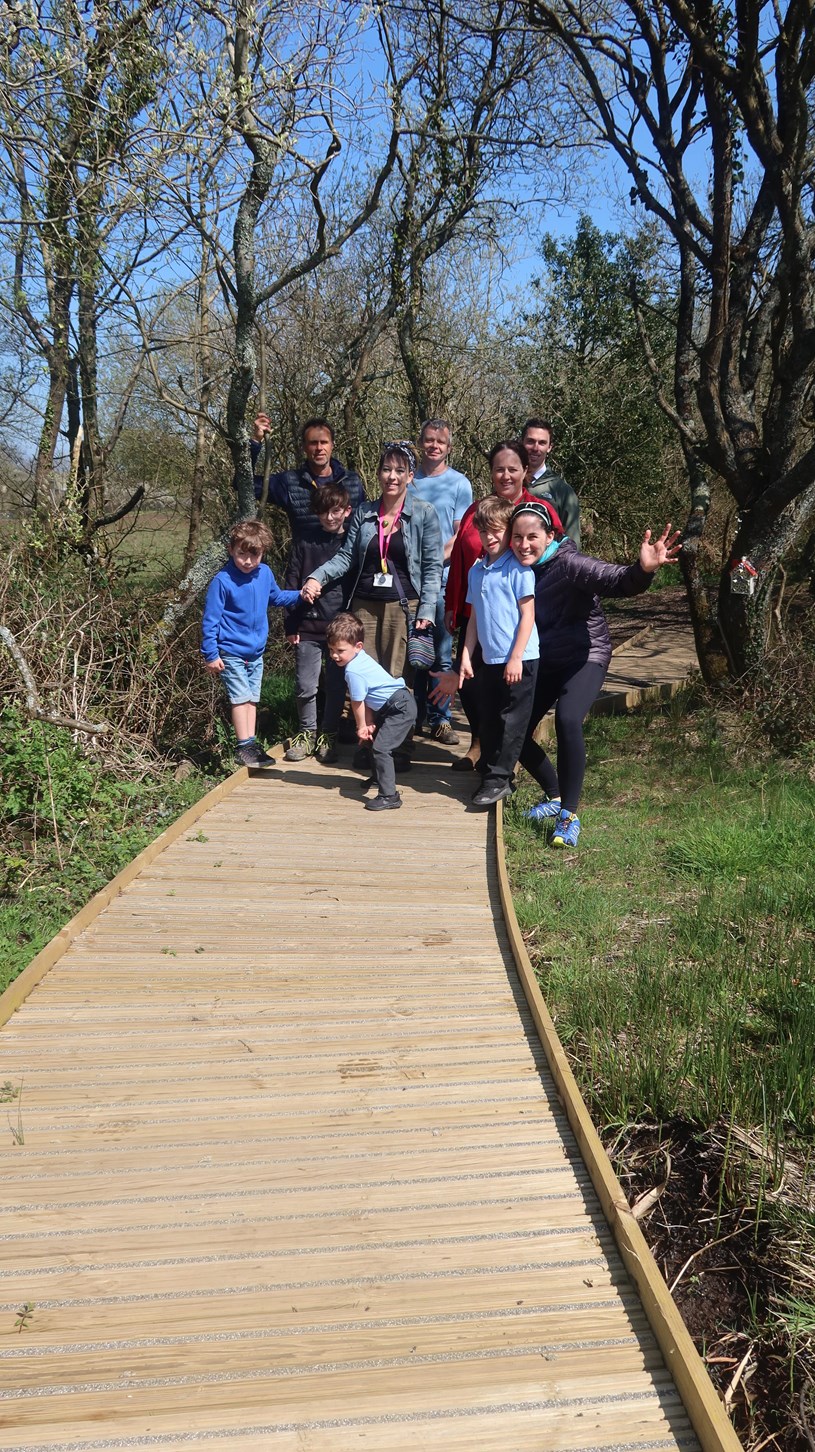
{"x": 385, "y": 633}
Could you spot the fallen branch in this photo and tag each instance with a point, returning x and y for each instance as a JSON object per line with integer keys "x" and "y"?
{"x": 702, "y": 1248}
{"x": 802, "y": 1409}
{"x": 32, "y": 698}
{"x": 737, "y": 1376}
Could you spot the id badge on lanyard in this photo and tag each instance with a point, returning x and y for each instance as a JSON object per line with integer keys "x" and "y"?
{"x": 383, "y": 579}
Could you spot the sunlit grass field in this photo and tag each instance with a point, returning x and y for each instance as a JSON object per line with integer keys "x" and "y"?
{"x": 676, "y": 946}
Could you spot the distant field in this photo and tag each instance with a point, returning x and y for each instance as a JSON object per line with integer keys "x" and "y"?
{"x": 155, "y": 542}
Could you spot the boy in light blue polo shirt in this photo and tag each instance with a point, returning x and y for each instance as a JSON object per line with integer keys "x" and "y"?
{"x": 384, "y": 710}
{"x": 502, "y": 621}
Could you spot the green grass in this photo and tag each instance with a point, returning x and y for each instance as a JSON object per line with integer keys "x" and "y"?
{"x": 152, "y": 545}
{"x": 278, "y": 711}
{"x": 67, "y": 825}
{"x": 676, "y": 947}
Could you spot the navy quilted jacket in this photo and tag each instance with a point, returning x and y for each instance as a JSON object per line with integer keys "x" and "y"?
{"x": 293, "y": 490}
{"x": 571, "y": 625}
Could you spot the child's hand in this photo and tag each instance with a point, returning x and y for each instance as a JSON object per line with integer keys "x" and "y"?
{"x": 513, "y": 670}
{"x": 366, "y": 732}
{"x": 214, "y": 666}
{"x": 466, "y": 669}
{"x": 293, "y": 639}
{"x": 311, "y": 591}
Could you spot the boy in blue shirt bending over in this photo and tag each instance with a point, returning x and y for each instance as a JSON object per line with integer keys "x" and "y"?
{"x": 384, "y": 710}
{"x": 502, "y": 621}
{"x": 235, "y": 629}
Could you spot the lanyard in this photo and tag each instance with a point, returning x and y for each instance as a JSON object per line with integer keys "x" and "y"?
{"x": 385, "y": 542}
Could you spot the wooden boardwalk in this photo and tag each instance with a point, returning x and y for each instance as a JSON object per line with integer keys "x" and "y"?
{"x": 295, "y": 1174}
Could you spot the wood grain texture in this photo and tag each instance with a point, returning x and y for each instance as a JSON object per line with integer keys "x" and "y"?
{"x": 296, "y": 1174}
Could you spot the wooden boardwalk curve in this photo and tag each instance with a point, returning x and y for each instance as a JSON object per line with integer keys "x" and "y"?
{"x": 296, "y": 1174}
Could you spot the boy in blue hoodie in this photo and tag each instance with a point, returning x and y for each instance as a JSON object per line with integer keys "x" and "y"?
{"x": 235, "y": 629}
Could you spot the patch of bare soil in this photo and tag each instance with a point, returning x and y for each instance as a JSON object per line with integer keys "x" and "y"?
{"x": 727, "y": 1273}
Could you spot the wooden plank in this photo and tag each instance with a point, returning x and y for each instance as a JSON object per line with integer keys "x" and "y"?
{"x": 300, "y": 1189}
{"x": 398, "y": 1386}
{"x": 155, "y": 1266}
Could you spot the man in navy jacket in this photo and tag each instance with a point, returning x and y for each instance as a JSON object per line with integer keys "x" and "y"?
{"x": 293, "y": 489}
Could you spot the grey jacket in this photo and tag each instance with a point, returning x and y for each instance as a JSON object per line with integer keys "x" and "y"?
{"x": 424, "y": 550}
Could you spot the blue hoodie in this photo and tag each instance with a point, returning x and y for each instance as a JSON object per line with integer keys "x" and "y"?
{"x": 236, "y": 618}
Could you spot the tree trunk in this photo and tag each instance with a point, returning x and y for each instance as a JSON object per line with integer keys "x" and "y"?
{"x": 240, "y": 387}
{"x": 203, "y": 443}
{"x": 713, "y": 661}
{"x": 93, "y": 492}
{"x": 420, "y": 405}
{"x": 763, "y": 538}
{"x": 49, "y": 434}
{"x": 203, "y": 435}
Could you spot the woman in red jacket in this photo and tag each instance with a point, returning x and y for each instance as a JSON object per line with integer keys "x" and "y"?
{"x": 508, "y": 462}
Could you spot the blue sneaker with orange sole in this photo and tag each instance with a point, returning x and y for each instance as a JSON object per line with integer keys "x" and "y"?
{"x": 567, "y": 830}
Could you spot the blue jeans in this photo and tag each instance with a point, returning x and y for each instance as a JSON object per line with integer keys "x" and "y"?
{"x": 443, "y": 640}
{"x": 242, "y": 679}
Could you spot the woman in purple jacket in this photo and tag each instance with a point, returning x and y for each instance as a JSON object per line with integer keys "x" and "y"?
{"x": 575, "y": 649}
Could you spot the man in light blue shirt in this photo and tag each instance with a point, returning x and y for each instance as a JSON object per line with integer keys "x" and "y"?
{"x": 451, "y": 495}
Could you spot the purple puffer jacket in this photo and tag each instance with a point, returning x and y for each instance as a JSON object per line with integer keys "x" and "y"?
{"x": 571, "y": 625}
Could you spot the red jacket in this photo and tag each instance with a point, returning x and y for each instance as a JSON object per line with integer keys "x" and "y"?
{"x": 466, "y": 550}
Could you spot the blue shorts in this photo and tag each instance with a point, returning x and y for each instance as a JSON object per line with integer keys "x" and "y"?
{"x": 242, "y": 678}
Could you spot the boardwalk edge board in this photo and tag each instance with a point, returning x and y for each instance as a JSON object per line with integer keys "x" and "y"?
{"x": 708, "y": 1417}
{"x": 18, "y": 991}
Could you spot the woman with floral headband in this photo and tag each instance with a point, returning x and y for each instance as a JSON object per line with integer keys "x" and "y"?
{"x": 575, "y": 649}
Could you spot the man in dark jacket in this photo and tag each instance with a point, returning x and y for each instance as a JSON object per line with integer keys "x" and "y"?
{"x": 544, "y": 482}
{"x": 293, "y": 489}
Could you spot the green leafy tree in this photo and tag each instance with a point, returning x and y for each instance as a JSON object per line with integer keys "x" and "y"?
{"x": 709, "y": 108}
{"x": 585, "y": 369}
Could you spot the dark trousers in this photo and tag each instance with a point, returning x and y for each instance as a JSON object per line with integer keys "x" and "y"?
{"x": 308, "y": 661}
{"x": 503, "y": 718}
{"x": 468, "y": 692}
{"x": 394, "y": 722}
{"x": 575, "y": 689}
